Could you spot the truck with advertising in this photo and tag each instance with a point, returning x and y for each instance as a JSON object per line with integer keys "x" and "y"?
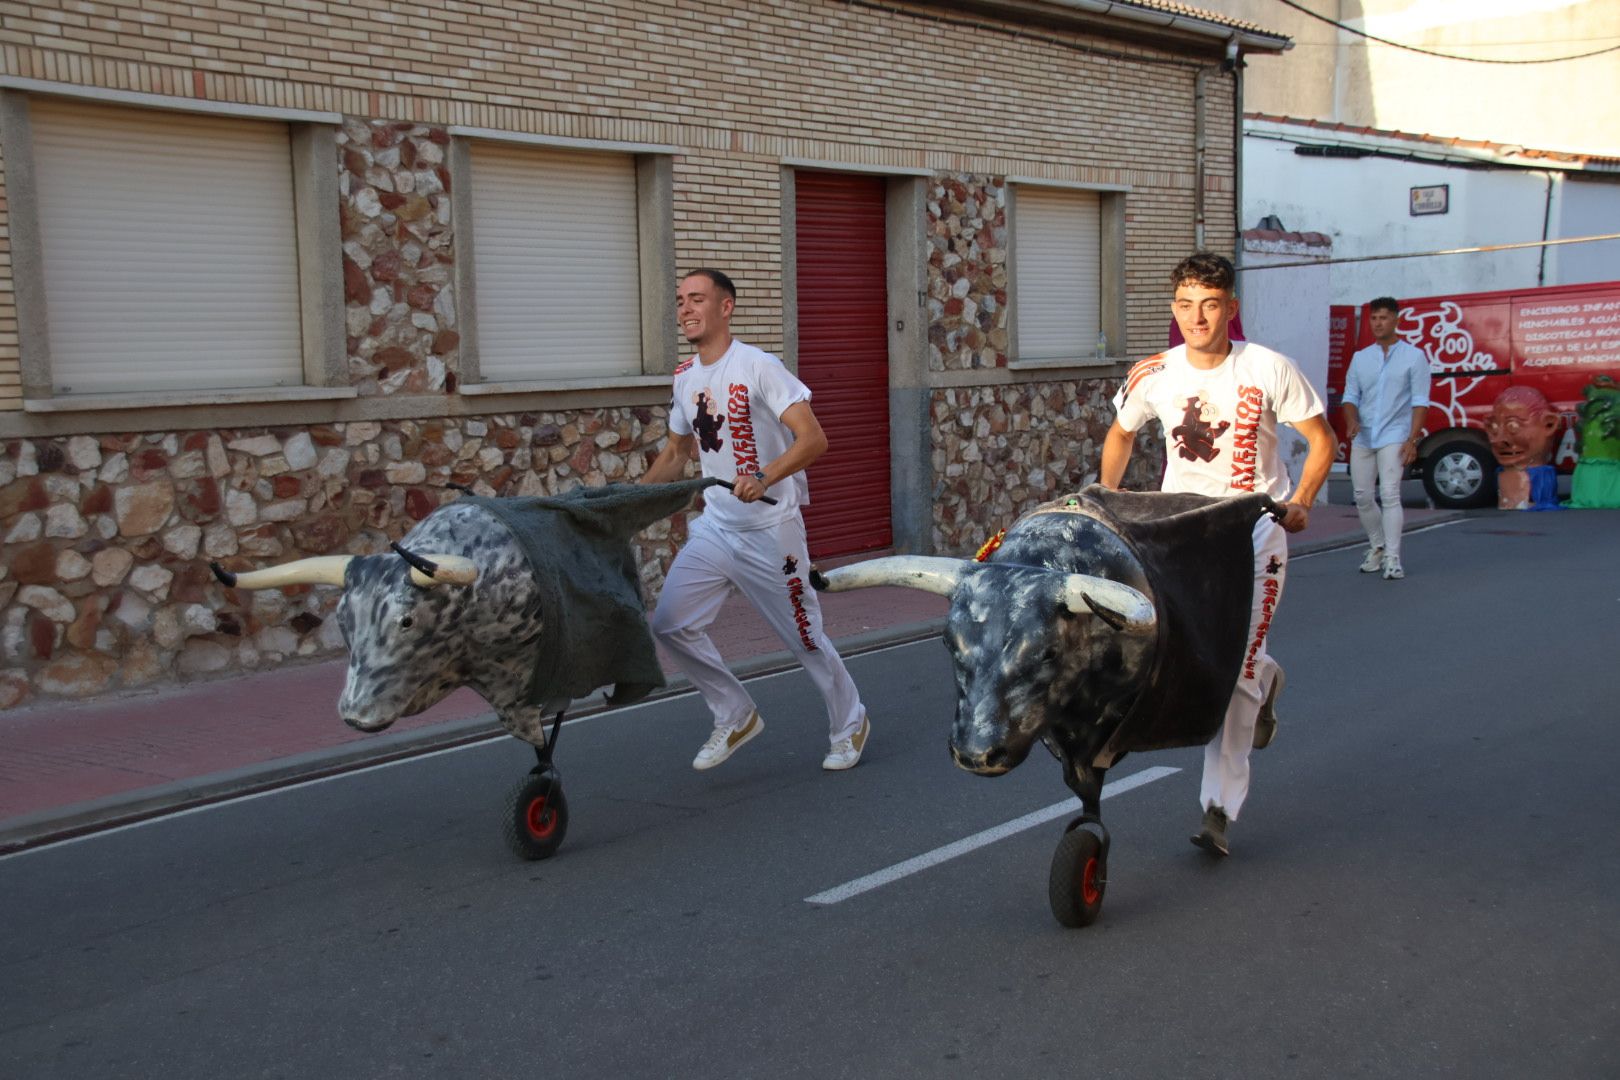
{"x": 1556, "y": 339}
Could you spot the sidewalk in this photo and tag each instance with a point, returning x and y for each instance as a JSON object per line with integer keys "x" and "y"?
{"x": 67, "y": 768}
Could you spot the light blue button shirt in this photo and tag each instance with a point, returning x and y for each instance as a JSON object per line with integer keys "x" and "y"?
{"x": 1385, "y": 391}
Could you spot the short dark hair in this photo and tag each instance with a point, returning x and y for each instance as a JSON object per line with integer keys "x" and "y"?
{"x": 721, "y": 281}
{"x": 1385, "y": 303}
{"x": 1204, "y": 268}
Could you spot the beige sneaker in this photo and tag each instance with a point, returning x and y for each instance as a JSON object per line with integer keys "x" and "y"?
{"x": 723, "y": 742}
{"x": 1374, "y": 561}
{"x": 846, "y": 753}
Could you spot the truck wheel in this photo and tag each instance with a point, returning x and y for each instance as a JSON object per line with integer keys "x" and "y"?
{"x": 1075, "y": 886}
{"x": 536, "y": 817}
{"x": 1460, "y": 475}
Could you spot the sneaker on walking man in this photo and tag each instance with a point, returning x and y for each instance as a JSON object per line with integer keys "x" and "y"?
{"x": 1386, "y": 397}
{"x": 749, "y": 421}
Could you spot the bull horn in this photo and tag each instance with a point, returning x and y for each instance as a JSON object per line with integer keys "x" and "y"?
{"x": 926, "y": 572}
{"x": 430, "y": 570}
{"x": 320, "y": 570}
{"x": 1120, "y": 606}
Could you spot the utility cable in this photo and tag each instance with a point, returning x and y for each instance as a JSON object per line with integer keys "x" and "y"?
{"x": 1429, "y": 52}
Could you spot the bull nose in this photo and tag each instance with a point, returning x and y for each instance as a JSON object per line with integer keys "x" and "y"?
{"x": 991, "y": 761}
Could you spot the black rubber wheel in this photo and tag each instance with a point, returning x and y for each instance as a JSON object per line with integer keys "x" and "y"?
{"x": 1078, "y": 879}
{"x": 1460, "y": 475}
{"x": 536, "y": 819}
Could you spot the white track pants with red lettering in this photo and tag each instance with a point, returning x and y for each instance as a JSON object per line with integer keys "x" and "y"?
{"x": 756, "y": 562}
{"x": 1226, "y": 758}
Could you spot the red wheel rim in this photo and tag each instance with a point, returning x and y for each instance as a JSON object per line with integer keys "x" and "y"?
{"x": 540, "y": 819}
{"x": 1089, "y": 892}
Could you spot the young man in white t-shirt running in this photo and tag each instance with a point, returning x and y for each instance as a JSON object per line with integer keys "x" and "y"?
{"x": 1220, "y": 402}
{"x": 750, "y": 422}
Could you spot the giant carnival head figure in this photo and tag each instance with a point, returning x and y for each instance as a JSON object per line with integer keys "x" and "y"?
{"x": 1523, "y": 428}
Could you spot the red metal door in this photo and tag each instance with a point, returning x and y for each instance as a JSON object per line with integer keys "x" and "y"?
{"x": 844, "y": 357}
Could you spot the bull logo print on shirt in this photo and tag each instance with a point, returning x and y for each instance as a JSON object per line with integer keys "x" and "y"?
{"x": 707, "y": 424}
{"x": 1195, "y": 436}
{"x": 789, "y": 565}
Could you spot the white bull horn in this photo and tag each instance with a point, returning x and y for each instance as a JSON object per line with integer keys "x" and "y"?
{"x": 321, "y": 570}
{"x": 447, "y": 570}
{"x": 1120, "y": 606}
{"x": 929, "y": 573}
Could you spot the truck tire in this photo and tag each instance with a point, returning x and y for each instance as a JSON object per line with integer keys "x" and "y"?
{"x": 1460, "y": 475}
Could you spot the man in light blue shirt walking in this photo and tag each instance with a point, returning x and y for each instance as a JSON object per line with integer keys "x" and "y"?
{"x": 1386, "y": 396}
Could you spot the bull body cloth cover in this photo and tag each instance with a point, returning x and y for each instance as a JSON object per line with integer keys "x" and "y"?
{"x": 595, "y": 624}
{"x": 1198, "y": 554}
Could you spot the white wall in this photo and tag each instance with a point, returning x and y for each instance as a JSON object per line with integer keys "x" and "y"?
{"x": 1287, "y": 310}
{"x": 1585, "y": 208}
{"x": 1363, "y": 205}
{"x": 1339, "y": 77}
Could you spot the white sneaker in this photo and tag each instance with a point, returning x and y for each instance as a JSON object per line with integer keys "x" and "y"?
{"x": 723, "y": 742}
{"x": 1374, "y": 561}
{"x": 1392, "y": 568}
{"x": 845, "y": 753}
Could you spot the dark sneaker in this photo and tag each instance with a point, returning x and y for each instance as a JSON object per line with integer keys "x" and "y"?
{"x": 1265, "y": 724}
{"x": 1212, "y": 837}
{"x": 724, "y": 742}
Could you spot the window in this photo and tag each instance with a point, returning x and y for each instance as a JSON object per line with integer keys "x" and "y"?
{"x": 1057, "y": 297}
{"x": 161, "y": 255}
{"x": 557, "y": 253}
{"x": 169, "y": 251}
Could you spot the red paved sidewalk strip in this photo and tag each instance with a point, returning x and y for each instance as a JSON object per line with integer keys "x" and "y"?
{"x": 61, "y": 754}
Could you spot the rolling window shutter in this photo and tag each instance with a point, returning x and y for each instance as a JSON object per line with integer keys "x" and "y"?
{"x": 559, "y": 284}
{"x": 1059, "y": 268}
{"x": 170, "y": 250}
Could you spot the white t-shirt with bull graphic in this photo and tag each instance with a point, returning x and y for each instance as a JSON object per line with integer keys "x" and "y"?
{"x": 734, "y": 408}
{"x": 1220, "y": 425}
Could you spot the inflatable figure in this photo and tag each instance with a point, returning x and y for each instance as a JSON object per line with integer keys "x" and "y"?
{"x": 1596, "y": 485}
{"x": 1523, "y": 429}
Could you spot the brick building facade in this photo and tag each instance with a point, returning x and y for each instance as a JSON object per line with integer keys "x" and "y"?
{"x": 274, "y": 274}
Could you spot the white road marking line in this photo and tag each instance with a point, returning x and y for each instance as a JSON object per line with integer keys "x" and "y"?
{"x": 849, "y": 889}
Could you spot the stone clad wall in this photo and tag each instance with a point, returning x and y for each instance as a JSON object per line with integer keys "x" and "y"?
{"x": 967, "y": 272}
{"x": 1000, "y": 451}
{"x": 398, "y": 259}
{"x": 107, "y": 538}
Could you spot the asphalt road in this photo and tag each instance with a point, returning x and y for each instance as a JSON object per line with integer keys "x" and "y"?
{"x": 1424, "y": 882}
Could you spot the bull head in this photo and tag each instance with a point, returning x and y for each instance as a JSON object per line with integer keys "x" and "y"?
{"x": 1031, "y": 646}
{"x": 375, "y": 695}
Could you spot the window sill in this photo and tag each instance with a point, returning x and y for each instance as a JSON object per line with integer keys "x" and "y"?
{"x": 532, "y": 386}
{"x": 1091, "y": 365}
{"x": 168, "y": 399}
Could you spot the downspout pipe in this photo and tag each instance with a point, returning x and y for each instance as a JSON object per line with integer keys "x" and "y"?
{"x": 1200, "y": 146}
{"x": 1546, "y": 225}
{"x": 1234, "y": 63}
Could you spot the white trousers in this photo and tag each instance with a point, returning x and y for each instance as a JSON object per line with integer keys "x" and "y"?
{"x": 771, "y": 567}
{"x": 1383, "y": 528}
{"x": 1226, "y": 758}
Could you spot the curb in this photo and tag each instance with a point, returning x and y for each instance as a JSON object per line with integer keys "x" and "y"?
{"x": 56, "y": 824}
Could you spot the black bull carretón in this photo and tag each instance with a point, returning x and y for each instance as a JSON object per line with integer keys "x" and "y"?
{"x": 1105, "y": 622}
